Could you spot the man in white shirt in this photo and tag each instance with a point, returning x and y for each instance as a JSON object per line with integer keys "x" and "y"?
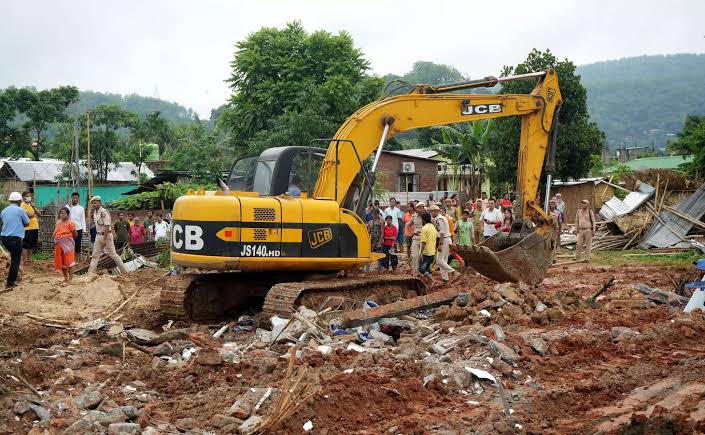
{"x": 161, "y": 228}
{"x": 490, "y": 216}
{"x": 78, "y": 215}
{"x": 443, "y": 244}
{"x": 395, "y": 212}
{"x": 560, "y": 204}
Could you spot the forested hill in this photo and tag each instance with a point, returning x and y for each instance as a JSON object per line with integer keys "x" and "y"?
{"x": 142, "y": 105}
{"x": 640, "y": 100}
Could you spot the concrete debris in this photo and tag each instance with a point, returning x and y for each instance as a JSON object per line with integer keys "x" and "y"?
{"x": 619, "y": 333}
{"x": 501, "y": 350}
{"x": 250, "y": 425}
{"x": 537, "y": 344}
{"x": 88, "y": 400}
{"x": 124, "y": 429}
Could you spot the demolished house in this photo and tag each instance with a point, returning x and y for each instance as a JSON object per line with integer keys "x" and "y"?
{"x": 664, "y": 214}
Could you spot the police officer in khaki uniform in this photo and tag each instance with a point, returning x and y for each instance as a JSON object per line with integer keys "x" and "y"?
{"x": 416, "y": 223}
{"x": 104, "y": 237}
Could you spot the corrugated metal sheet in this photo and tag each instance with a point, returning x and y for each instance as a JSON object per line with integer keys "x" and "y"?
{"x": 662, "y": 236}
{"x": 616, "y": 207}
{"x": 48, "y": 170}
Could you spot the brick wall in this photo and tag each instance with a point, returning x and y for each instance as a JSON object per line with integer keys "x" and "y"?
{"x": 390, "y": 165}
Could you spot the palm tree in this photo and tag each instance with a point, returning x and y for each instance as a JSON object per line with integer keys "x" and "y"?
{"x": 465, "y": 145}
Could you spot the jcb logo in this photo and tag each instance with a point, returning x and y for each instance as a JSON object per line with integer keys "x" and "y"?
{"x": 479, "y": 109}
{"x": 318, "y": 238}
{"x": 550, "y": 94}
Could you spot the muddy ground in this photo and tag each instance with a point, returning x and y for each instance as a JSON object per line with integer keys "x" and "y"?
{"x": 626, "y": 366}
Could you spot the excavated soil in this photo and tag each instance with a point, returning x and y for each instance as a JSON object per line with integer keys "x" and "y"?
{"x": 626, "y": 366}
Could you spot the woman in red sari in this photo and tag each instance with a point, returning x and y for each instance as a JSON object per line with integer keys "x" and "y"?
{"x": 64, "y": 235}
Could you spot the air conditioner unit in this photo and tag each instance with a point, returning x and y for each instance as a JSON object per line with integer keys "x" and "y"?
{"x": 408, "y": 167}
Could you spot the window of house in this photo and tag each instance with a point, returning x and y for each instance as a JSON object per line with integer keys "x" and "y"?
{"x": 409, "y": 183}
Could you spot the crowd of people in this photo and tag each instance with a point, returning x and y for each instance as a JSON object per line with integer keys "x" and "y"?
{"x": 425, "y": 230}
{"x": 20, "y": 233}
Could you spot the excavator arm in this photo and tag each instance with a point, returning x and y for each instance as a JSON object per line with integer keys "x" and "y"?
{"x": 365, "y": 131}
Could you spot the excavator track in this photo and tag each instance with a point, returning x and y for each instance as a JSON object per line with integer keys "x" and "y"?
{"x": 283, "y": 298}
{"x": 200, "y": 296}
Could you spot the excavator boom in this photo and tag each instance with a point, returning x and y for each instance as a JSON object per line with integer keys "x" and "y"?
{"x": 522, "y": 256}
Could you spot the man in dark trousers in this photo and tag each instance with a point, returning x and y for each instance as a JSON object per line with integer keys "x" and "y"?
{"x": 14, "y": 219}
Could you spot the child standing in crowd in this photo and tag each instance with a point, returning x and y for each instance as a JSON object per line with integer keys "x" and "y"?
{"x": 389, "y": 244}
{"x": 374, "y": 227}
{"x": 429, "y": 236}
{"x": 464, "y": 232}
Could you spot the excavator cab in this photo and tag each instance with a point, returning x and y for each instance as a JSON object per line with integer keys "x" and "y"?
{"x": 277, "y": 171}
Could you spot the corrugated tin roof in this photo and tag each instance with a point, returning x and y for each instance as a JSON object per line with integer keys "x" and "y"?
{"x": 662, "y": 236}
{"x": 419, "y": 153}
{"x": 666, "y": 162}
{"x": 615, "y": 207}
{"x": 47, "y": 170}
{"x": 596, "y": 180}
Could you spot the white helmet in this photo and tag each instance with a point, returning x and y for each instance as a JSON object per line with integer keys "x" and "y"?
{"x": 15, "y": 196}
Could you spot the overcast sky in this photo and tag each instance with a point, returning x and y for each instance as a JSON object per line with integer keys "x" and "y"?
{"x": 180, "y": 50}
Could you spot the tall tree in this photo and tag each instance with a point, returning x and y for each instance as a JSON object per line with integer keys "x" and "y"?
{"x": 105, "y": 142}
{"x": 578, "y": 137}
{"x": 290, "y": 86}
{"x": 154, "y": 129}
{"x": 200, "y": 151}
{"x": 691, "y": 142}
{"x": 42, "y": 109}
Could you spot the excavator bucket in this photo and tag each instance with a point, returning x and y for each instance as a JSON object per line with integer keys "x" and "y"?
{"x": 509, "y": 257}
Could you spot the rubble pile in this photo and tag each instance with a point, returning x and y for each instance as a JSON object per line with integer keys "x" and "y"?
{"x": 500, "y": 358}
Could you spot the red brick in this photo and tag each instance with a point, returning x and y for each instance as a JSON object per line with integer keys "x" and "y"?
{"x": 390, "y": 165}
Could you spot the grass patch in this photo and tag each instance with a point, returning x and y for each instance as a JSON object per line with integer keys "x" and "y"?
{"x": 41, "y": 256}
{"x": 615, "y": 258}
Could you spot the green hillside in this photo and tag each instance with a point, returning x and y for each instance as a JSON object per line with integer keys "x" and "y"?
{"x": 640, "y": 100}
{"x": 142, "y": 105}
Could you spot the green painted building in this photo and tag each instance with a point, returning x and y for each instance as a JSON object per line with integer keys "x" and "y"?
{"x": 23, "y": 175}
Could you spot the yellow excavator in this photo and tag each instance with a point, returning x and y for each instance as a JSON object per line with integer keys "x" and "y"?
{"x": 290, "y": 218}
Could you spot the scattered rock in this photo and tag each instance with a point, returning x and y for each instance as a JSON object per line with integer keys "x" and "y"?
{"x": 124, "y": 429}
{"x": 75, "y": 363}
{"x": 393, "y": 429}
{"x": 509, "y": 293}
{"x": 209, "y": 357}
{"x": 238, "y": 411}
{"x": 149, "y": 430}
{"x": 129, "y": 411}
{"x": 461, "y": 300}
{"x": 503, "y": 351}
{"x": 43, "y": 414}
{"x": 538, "y": 344}
{"x": 381, "y": 336}
{"x": 620, "y": 333}
{"x": 250, "y": 425}
{"x": 79, "y": 427}
{"x": 21, "y": 407}
{"x": 501, "y": 366}
{"x": 187, "y": 423}
{"x": 141, "y": 336}
{"x": 88, "y": 400}
{"x": 494, "y": 332}
{"x": 555, "y": 314}
{"x": 220, "y": 420}
{"x": 540, "y": 307}
{"x": 114, "y": 349}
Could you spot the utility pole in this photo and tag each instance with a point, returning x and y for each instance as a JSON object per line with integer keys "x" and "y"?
{"x": 89, "y": 190}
